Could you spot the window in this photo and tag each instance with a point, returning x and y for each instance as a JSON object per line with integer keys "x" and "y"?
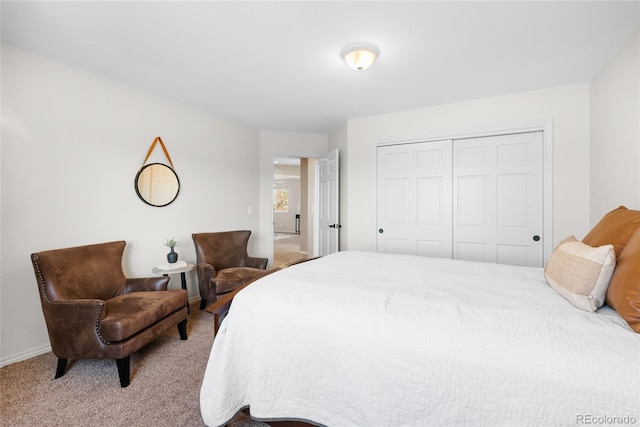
{"x": 281, "y": 200}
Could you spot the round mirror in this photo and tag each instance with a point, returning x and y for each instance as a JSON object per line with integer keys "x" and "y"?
{"x": 157, "y": 184}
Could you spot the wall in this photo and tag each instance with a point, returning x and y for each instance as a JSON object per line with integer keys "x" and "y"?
{"x": 287, "y": 144}
{"x": 72, "y": 143}
{"x": 615, "y": 132}
{"x": 567, "y": 106}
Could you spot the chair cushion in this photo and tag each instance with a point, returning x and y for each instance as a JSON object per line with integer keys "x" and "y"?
{"x": 231, "y": 278}
{"x": 128, "y": 314}
{"x": 225, "y": 282}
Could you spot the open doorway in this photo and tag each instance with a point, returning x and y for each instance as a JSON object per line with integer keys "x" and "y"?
{"x": 292, "y": 193}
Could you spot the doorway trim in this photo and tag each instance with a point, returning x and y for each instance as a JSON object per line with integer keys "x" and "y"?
{"x": 273, "y": 155}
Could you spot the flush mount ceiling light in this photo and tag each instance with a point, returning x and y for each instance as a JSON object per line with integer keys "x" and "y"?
{"x": 359, "y": 56}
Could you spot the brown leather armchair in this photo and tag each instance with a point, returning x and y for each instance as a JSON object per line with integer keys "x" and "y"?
{"x": 93, "y": 311}
{"x": 223, "y": 263}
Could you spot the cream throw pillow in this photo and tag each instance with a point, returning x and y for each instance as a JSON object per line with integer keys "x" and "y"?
{"x": 581, "y": 273}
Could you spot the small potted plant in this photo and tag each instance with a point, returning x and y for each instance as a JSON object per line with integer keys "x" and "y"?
{"x": 171, "y": 256}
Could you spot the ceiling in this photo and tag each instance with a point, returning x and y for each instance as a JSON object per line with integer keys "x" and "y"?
{"x": 276, "y": 65}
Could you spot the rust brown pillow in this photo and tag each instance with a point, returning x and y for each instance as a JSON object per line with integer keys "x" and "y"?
{"x": 615, "y": 228}
{"x": 623, "y": 293}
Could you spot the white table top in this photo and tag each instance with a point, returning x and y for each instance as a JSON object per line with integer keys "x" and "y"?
{"x": 182, "y": 269}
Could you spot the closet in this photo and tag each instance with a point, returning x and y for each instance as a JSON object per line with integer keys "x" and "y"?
{"x": 477, "y": 198}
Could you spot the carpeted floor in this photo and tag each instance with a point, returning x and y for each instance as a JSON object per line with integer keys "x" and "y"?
{"x": 166, "y": 376}
{"x": 286, "y": 248}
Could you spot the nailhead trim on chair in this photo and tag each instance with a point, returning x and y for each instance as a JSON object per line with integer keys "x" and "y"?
{"x": 98, "y": 326}
{"x": 46, "y": 299}
{"x": 40, "y": 278}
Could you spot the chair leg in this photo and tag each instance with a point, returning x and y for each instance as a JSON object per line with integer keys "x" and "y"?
{"x": 123, "y": 370}
{"x": 203, "y": 304}
{"x": 62, "y": 365}
{"x": 182, "y": 329}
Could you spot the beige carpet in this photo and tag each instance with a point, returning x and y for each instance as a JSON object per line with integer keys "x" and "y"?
{"x": 286, "y": 248}
{"x": 165, "y": 385}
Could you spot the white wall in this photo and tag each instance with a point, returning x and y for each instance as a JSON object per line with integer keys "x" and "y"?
{"x": 72, "y": 143}
{"x": 280, "y": 143}
{"x": 567, "y": 106}
{"x": 615, "y": 132}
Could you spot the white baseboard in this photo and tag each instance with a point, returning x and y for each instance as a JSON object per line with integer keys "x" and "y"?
{"x": 25, "y": 355}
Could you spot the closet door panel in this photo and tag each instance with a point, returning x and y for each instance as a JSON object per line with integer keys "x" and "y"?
{"x": 396, "y": 246}
{"x": 393, "y": 200}
{"x": 433, "y": 228}
{"x": 504, "y": 212}
{"x": 471, "y": 201}
{"x": 418, "y": 211}
{"x": 511, "y": 254}
{"x": 396, "y": 192}
{"x": 512, "y": 203}
{"x": 471, "y": 251}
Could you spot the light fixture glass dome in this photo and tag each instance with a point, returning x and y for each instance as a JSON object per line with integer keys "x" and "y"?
{"x": 359, "y": 56}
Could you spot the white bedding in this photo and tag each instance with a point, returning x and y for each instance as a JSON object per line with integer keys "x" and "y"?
{"x": 370, "y": 339}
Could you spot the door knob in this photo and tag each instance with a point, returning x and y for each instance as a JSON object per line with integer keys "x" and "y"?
{"x": 536, "y": 238}
{"x": 380, "y": 230}
{"x": 335, "y": 226}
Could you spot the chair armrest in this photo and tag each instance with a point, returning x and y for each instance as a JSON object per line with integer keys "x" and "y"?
{"x": 138, "y": 284}
{"x": 205, "y": 272}
{"x": 223, "y": 302}
{"x": 255, "y": 262}
{"x": 70, "y": 322}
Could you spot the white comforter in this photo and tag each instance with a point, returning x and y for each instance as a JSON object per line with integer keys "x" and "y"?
{"x": 369, "y": 339}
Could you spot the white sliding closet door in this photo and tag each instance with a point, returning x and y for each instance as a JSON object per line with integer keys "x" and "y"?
{"x": 497, "y": 195}
{"x": 477, "y": 199}
{"x": 414, "y": 199}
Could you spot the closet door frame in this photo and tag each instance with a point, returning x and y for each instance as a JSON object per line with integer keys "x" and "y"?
{"x": 545, "y": 126}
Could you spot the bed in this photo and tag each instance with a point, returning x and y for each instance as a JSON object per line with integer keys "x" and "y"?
{"x": 364, "y": 338}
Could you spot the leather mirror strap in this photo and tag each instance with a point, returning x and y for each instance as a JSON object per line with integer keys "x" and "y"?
{"x": 153, "y": 145}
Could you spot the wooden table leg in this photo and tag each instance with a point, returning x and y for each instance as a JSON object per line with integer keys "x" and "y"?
{"x": 183, "y": 278}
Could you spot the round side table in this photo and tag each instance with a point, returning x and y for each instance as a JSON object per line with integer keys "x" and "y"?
{"x": 182, "y": 270}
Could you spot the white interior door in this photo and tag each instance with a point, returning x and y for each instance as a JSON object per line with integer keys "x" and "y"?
{"x": 328, "y": 204}
{"x": 414, "y": 205}
{"x": 498, "y": 199}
